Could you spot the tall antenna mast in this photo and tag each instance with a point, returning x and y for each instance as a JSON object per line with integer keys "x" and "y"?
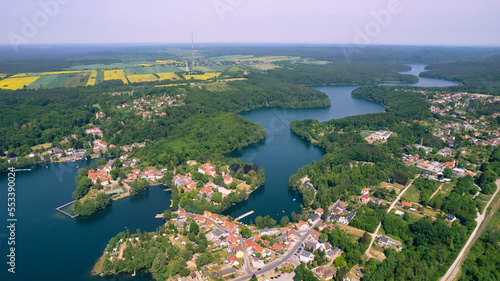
{"x": 192, "y": 46}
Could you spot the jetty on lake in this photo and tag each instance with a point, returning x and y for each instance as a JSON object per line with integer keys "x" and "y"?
{"x": 244, "y": 215}
{"x": 66, "y": 213}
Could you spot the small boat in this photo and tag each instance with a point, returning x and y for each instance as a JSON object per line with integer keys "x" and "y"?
{"x": 159, "y": 216}
{"x": 246, "y": 198}
{"x": 46, "y": 166}
{"x": 234, "y": 204}
{"x": 78, "y": 166}
{"x": 171, "y": 203}
{"x": 294, "y": 199}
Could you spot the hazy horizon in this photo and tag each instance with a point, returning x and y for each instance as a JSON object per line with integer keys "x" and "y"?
{"x": 318, "y": 22}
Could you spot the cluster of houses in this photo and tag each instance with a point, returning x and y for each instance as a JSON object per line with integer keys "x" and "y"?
{"x": 152, "y": 106}
{"x": 102, "y": 174}
{"x": 188, "y": 184}
{"x": 438, "y": 168}
{"x": 150, "y": 175}
{"x": 340, "y": 214}
{"x": 457, "y": 106}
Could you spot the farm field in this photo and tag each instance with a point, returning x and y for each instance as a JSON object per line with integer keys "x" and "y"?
{"x": 116, "y": 74}
{"x": 168, "y": 61}
{"x": 202, "y": 76}
{"x": 271, "y": 58}
{"x": 168, "y": 76}
{"x": 77, "y": 79}
{"x": 100, "y": 66}
{"x": 92, "y": 78}
{"x": 17, "y": 83}
{"x": 217, "y": 67}
{"x": 141, "y": 78}
{"x": 149, "y": 70}
{"x": 171, "y": 85}
{"x": 42, "y": 82}
{"x": 100, "y": 76}
{"x": 264, "y": 66}
{"x": 2, "y": 75}
{"x": 232, "y": 57}
{"x": 58, "y": 81}
{"x": 233, "y": 79}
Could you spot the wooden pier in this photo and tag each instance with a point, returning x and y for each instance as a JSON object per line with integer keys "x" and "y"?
{"x": 60, "y": 207}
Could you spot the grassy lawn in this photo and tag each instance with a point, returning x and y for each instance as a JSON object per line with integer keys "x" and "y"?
{"x": 446, "y": 189}
{"x": 390, "y": 187}
{"x": 430, "y": 212}
{"x": 412, "y": 194}
{"x": 41, "y": 146}
{"x": 217, "y": 87}
{"x": 364, "y": 134}
{"x": 351, "y": 230}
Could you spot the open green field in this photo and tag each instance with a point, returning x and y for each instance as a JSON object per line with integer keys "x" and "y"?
{"x": 58, "y": 81}
{"x": 101, "y": 66}
{"x": 218, "y": 68}
{"x": 77, "y": 79}
{"x": 412, "y": 194}
{"x": 446, "y": 189}
{"x": 264, "y": 66}
{"x": 42, "y": 82}
{"x": 231, "y": 57}
{"x": 149, "y": 69}
{"x": 217, "y": 87}
{"x": 364, "y": 134}
{"x": 100, "y": 76}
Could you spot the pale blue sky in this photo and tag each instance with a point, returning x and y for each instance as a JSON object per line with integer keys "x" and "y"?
{"x": 408, "y": 22}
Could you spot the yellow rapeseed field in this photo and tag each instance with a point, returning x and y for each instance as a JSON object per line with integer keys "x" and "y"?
{"x": 2, "y": 75}
{"x": 143, "y": 64}
{"x": 233, "y": 79}
{"x": 170, "y": 85}
{"x": 92, "y": 78}
{"x": 205, "y": 76}
{"x": 116, "y": 74}
{"x": 141, "y": 78}
{"x": 168, "y": 61}
{"x": 168, "y": 75}
{"x": 62, "y": 72}
{"x": 19, "y": 75}
{"x": 17, "y": 83}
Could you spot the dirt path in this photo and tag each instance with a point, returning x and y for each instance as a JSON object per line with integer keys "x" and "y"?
{"x": 374, "y": 235}
{"x": 435, "y": 192}
{"x": 122, "y": 248}
{"x": 482, "y": 223}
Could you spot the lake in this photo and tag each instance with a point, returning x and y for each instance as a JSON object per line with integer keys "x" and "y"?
{"x": 51, "y": 246}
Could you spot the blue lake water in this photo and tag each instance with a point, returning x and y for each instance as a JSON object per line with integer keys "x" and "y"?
{"x": 51, "y": 246}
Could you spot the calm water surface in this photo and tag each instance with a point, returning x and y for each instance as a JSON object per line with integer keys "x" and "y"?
{"x": 50, "y": 246}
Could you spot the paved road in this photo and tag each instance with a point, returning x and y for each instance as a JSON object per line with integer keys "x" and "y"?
{"x": 480, "y": 227}
{"x": 289, "y": 254}
{"x": 374, "y": 235}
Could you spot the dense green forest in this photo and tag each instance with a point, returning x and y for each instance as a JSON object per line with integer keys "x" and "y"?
{"x": 483, "y": 261}
{"x": 477, "y": 76}
{"x": 429, "y": 248}
{"x": 350, "y": 163}
{"x": 342, "y": 74}
{"x": 159, "y": 256}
